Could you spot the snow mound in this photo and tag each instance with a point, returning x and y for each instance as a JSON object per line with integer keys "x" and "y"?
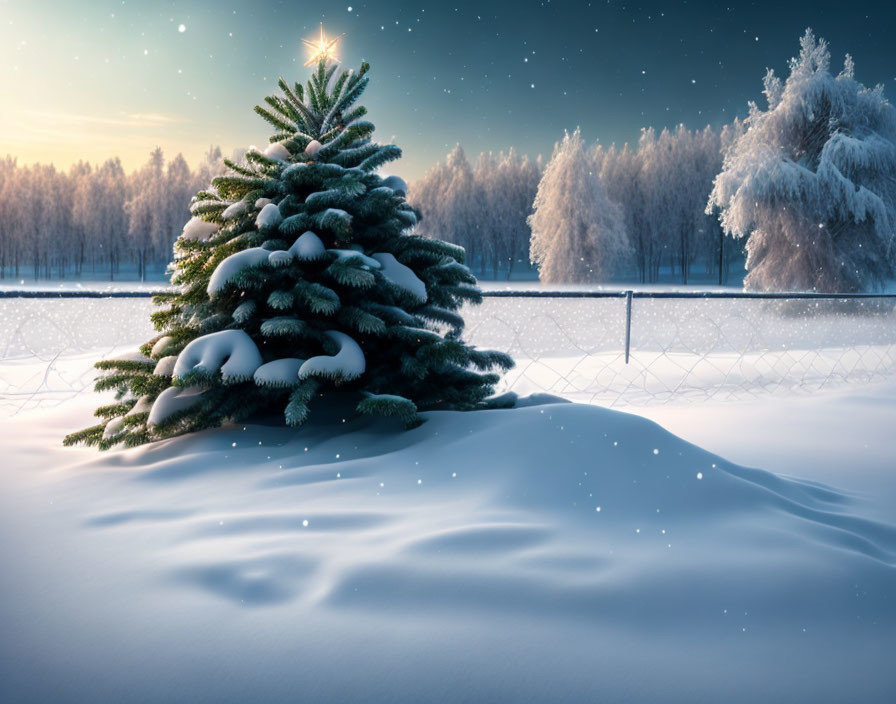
{"x": 552, "y": 552}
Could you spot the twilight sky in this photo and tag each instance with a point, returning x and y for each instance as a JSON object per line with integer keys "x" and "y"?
{"x": 93, "y": 79}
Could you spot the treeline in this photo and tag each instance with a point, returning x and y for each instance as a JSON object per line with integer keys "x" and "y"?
{"x": 96, "y": 220}
{"x": 660, "y": 187}
{"x": 482, "y": 208}
{"x": 99, "y": 221}
{"x": 803, "y": 191}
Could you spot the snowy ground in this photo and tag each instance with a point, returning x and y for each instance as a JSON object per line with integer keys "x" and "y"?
{"x": 465, "y": 560}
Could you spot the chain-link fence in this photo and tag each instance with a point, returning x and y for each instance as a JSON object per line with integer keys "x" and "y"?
{"x": 682, "y": 347}
{"x": 685, "y": 346}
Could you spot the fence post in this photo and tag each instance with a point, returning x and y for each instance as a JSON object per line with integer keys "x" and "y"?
{"x": 721, "y": 252}
{"x": 628, "y": 323}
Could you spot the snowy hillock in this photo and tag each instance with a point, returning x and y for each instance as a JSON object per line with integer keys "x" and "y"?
{"x": 550, "y": 552}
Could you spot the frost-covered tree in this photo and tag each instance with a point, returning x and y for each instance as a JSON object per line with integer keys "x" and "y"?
{"x": 482, "y": 209}
{"x": 146, "y": 210}
{"x": 449, "y": 196}
{"x": 685, "y": 165}
{"x": 57, "y": 223}
{"x": 296, "y": 277}
{"x": 619, "y": 171}
{"x": 99, "y": 216}
{"x": 513, "y": 186}
{"x": 578, "y": 234}
{"x": 177, "y": 192}
{"x": 9, "y": 187}
{"x": 662, "y": 186}
{"x": 811, "y": 181}
{"x": 80, "y": 176}
{"x": 466, "y": 225}
{"x": 212, "y": 165}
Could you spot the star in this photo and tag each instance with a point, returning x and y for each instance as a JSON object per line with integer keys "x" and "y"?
{"x": 323, "y": 48}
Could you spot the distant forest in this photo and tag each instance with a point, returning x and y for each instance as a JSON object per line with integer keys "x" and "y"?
{"x": 100, "y": 222}
{"x": 96, "y": 221}
{"x": 656, "y": 190}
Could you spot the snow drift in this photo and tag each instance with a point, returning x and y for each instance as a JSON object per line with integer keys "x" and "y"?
{"x": 547, "y": 553}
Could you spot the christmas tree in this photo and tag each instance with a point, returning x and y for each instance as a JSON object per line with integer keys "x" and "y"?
{"x": 298, "y": 276}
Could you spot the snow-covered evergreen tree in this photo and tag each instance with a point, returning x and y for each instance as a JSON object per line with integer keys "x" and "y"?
{"x": 578, "y": 234}
{"x": 811, "y": 183}
{"x": 296, "y": 277}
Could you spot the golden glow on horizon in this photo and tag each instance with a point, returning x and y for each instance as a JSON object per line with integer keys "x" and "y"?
{"x": 323, "y": 48}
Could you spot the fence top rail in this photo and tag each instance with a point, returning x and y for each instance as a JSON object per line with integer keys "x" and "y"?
{"x": 682, "y": 294}
{"x": 522, "y": 293}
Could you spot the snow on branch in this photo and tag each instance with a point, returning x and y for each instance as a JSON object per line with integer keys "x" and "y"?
{"x": 198, "y": 229}
{"x": 231, "y": 351}
{"x": 281, "y": 373}
{"x": 348, "y": 363}
{"x": 173, "y": 400}
{"x": 401, "y": 276}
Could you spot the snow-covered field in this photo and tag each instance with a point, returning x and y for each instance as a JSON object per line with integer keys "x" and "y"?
{"x": 554, "y": 552}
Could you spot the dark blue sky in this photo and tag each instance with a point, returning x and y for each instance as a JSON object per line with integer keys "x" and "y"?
{"x": 488, "y": 74}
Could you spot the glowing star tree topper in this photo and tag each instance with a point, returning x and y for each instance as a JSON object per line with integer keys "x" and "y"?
{"x": 322, "y": 49}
